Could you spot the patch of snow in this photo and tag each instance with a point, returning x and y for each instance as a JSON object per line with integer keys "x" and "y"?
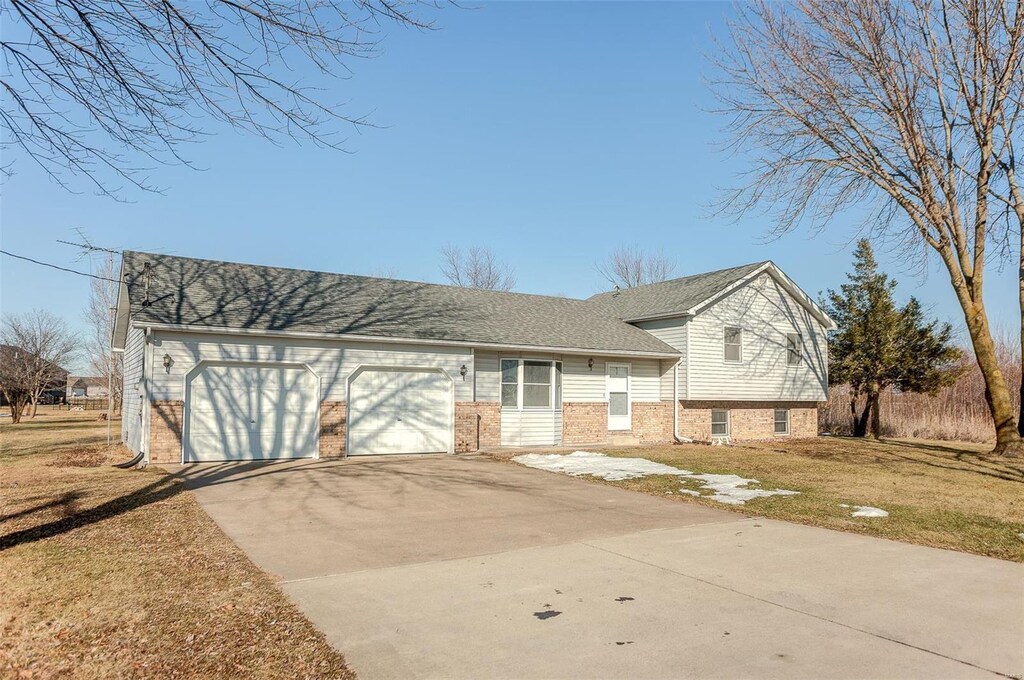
{"x": 684, "y": 440}
{"x": 1021, "y": 535}
{"x": 728, "y": 489}
{"x": 597, "y": 464}
{"x": 732, "y": 489}
{"x": 865, "y": 511}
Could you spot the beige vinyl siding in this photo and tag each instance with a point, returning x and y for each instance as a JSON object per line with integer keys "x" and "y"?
{"x": 672, "y": 332}
{"x": 766, "y": 313}
{"x": 531, "y": 428}
{"x": 131, "y": 389}
{"x": 332, "y": 361}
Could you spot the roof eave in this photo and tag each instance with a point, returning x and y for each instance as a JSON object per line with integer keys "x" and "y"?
{"x": 312, "y": 335}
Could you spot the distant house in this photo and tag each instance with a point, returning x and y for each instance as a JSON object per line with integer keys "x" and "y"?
{"x": 86, "y": 386}
{"x": 230, "y": 361}
{"x": 54, "y": 389}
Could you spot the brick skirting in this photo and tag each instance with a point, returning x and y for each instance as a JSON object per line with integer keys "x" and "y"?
{"x": 584, "y": 423}
{"x": 165, "y": 424}
{"x": 748, "y": 420}
{"x": 477, "y": 425}
{"x": 652, "y": 421}
{"x": 332, "y": 429}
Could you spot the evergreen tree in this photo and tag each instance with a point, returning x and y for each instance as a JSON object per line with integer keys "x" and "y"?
{"x": 879, "y": 345}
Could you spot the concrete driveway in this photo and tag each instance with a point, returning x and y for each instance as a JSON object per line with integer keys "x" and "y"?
{"x": 461, "y": 567}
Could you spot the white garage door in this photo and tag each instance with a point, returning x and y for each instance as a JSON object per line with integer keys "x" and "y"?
{"x": 399, "y": 411}
{"x": 251, "y": 412}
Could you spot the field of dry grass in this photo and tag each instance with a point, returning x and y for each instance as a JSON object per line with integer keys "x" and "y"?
{"x": 119, "y": 573}
{"x": 942, "y": 494}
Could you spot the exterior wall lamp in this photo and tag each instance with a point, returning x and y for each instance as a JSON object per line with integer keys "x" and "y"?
{"x": 463, "y": 371}
{"x": 590, "y": 363}
{"x": 167, "y": 362}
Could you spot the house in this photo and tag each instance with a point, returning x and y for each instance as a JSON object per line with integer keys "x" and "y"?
{"x": 86, "y": 386}
{"x": 228, "y": 361}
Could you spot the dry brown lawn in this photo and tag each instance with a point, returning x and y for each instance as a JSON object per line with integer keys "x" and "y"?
{"x": 943, "y": 494}
{"x": 113, "y": 573}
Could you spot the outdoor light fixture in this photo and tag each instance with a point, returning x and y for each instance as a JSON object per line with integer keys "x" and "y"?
{"x": 167, "y": 362}
{"x": 590, "y": 363}
{"x": 463, "y": 371}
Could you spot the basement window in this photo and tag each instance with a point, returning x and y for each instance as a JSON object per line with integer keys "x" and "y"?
{"x": 719, "y": 423}
{"x": 782, "y": 421}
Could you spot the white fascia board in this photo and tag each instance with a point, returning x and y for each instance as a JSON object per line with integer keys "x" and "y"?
{"x": 226, "y": 330}
{"x": 772, "y": 269}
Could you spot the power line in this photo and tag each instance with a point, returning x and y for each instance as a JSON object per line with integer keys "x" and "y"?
{"x": 54, "y": 266}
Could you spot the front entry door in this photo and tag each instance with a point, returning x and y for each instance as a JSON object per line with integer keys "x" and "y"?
{"x": 619, "y": 415}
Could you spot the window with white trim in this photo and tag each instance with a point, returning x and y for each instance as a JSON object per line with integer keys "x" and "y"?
{"x": 794, "y": 343}
{"x": 719, "y": 422}
{"x": 733, "y": 344}
{"x": 782, "y": 421}
{"x": 531, "y": 384}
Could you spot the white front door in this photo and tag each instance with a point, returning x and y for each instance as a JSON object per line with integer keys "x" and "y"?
{"x": 619, "y": 414}
{"x": 399, "y": 410}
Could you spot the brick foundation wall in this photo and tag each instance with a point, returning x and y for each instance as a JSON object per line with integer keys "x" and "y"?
{"x": 477, "y": 425}
{"x": 332, "y": 429}
{"x": 584, "y": 423}
{"x": 748, "y": 421}
{"x": 165, "y": 424}
{"x": 652, "y": 421}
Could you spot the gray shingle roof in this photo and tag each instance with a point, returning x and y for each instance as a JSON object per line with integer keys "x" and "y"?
{"x": 186, "y": 291}
{"x": 671, "y": 297}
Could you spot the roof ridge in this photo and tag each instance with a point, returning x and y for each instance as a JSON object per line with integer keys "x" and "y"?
{"x": 681, "y": 278}
{"x": 360, "y": 276}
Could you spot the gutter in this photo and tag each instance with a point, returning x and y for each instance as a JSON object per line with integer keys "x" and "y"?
{"x": 341, "y": 337}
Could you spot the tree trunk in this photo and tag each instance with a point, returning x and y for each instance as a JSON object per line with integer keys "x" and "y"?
{"x": 875, "y": 431}
{"x": 853, "y": 412}
{"x": 997, "y": 394}
{"x": 860, "y": 426}
{"x": 1020, "y": 291}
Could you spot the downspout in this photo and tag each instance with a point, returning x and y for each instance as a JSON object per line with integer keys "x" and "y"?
{"x": 147, "y": 367}
{"x": 675, "y": 402}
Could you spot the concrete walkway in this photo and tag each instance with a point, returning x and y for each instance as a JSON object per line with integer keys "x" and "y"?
{"x": 467, "y": 568}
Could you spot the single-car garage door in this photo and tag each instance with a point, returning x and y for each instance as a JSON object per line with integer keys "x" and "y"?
{"x": 398, "y": 410}
{"x": 251, "y": 412}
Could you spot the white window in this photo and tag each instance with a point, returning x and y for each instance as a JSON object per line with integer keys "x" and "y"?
{"x": 782, "y": 421}
{"x": 531, "y": 384}
{"x": 794, "y": 343}
{"x": 719, "y": 423}
{"x": 510, "y": 383}
{"x": 733, "y": 344}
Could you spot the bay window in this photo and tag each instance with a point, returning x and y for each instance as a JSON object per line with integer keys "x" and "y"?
{"x": 531, "y": 384}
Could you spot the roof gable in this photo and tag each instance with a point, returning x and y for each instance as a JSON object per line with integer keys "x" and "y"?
{"x": 689, "y": 295}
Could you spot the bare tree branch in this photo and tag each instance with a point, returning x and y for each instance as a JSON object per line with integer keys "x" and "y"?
{"x": 477, "y": 268}
{"x": 910, "y": 109}
{"x": 100, "y": 89}
{"x": 35, "y": 347}
{"x": 629, "y": 266}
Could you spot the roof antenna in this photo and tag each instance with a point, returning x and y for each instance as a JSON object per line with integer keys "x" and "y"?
{"x": 147, "y": 272}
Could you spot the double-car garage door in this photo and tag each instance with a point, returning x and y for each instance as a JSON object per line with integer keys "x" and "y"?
{"x": 237, "y": 411}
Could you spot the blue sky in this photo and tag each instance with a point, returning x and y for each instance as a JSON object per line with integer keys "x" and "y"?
{"x": 549, "y": 132}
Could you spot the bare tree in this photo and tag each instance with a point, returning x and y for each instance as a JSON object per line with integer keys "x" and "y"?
{"x": 101, "y": 88}
{"x": 36, "y": 346}
{"x": 630, "y": 266}
{"x": 100, "y": 317}
{"x": 476, "y": 268}
{"x": 910, "y": 109}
